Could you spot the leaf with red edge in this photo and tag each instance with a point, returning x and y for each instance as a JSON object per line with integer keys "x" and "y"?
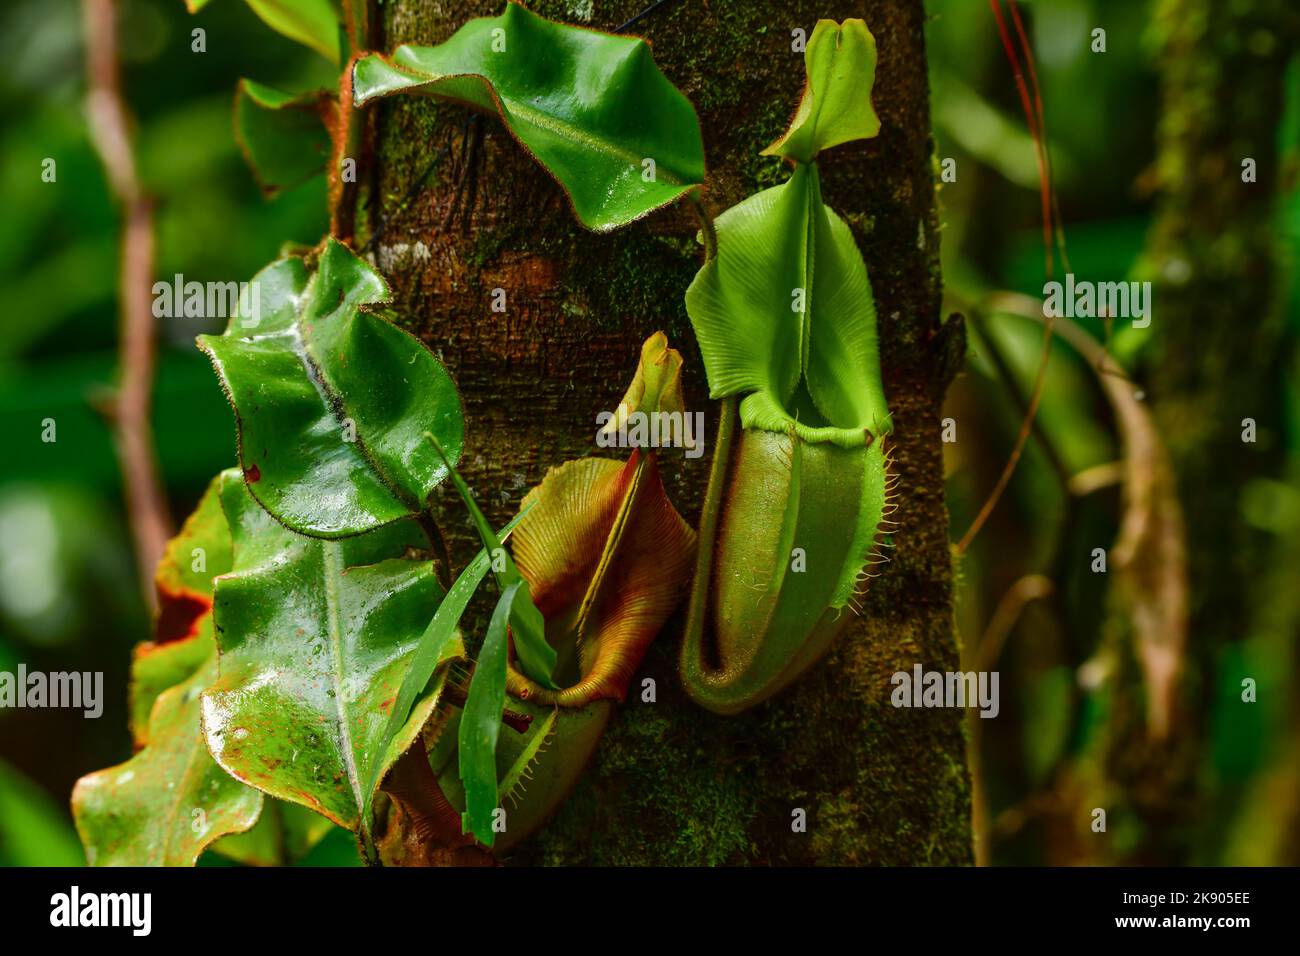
{"x": 183, "y": 638}
{"x": 285, "y": 137}
{"x": 170, "y": 801}
{"x": 199, "y": 552}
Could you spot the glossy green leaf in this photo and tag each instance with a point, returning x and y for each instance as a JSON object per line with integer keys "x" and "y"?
{"x": 592, "y": 108}
{"x": 480, "y": 723}
{"x": 836, "y": 105}
{"x": 434, "y": 642}
{"x": 313, "y": 23}
{"x": 330, "y": 400}
{"x": 784, "y": 315}
{"x": 166, "y": 804}
{"x": 315, "y": 636}
{"x": 536, "y": 656}
{"x": 283, "y": 136}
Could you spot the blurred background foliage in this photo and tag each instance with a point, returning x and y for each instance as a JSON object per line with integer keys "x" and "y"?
{"x": 68, "y": 597}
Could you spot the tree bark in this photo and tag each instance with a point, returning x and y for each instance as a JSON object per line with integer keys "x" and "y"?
{"x": 673, "y": 784}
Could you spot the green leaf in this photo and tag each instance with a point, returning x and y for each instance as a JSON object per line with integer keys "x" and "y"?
{"x": 313, "y": 23}
{"x": 536, "y": 656}
{"x": 433, "y": 644}
{"x": 157, "y": 667}
{"x": 166, "y": 804}
{"x": 283, "y": 136}
{"x": 330, "y": 400}
{"x": 836, "y": 106}
{"x": 198, "y": 553}
{"x": 591, "y": 107}
{"x": 183, "y": 639}
{"x": 481, "y": 722}
{"x": 170, "y": 801}
{"x": 315, "y": 636}
{"x": 784, "y": 313}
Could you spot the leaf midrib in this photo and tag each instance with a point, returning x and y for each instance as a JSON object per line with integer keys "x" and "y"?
{"x": 334, "y": 403}
{"x": 574, "y": 135}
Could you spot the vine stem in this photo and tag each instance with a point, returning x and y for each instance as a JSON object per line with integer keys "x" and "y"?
{"x": 708, "y": 232}
{"x": 150, "y": 518}
{"x": 432, "y": 531}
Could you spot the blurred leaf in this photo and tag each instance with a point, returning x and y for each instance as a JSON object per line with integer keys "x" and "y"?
{"x": 840, "y": 60}
{"x": 1046, "y": 727}
{"x": 32, "y": 831}
{"x": 481, "y": 722}
{"x": 337, "y": 848}
{"x": 283, "y": 137}
{"x": 1149, "y": 557}
{"x": 315, "y": 636}
{"x": 45, "y": 300}
{"x": 1068, "y": 412}
{"x": 313, "y": 23}
{"x": 165, "y": 805}
{"x": 330, "y": 400}
{"x": 995, "y": 139}
{"x": 592, "y": 108}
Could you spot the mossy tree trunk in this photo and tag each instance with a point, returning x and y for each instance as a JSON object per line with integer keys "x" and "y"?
{"x": 672, "y": 784}
{"x": 1217, "y": 323}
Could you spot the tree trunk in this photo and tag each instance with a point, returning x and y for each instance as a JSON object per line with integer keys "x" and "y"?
{"x": 673, "y": 784}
